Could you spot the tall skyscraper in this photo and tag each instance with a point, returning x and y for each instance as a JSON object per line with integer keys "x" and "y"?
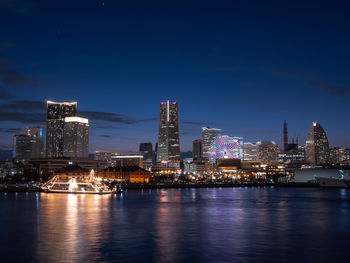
{"x": 268, "y": 152}
{"x": 146, "y": 151}
{"x": 56, "y": 114}
{"x": 76, "y": 137}
{"x": 285, "y": 136}
{"x": 168, "y": 137}
{"x": 106, "y": 156}
{"x": 317, "y": 147}
{"x": 30, "y": 144}
{"x": 197, "y": 150}
{"x": 208, "y": 136}
{"x": 250, "y": 151}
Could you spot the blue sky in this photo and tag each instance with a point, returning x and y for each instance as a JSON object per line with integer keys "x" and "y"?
{"x": 243, "y": 66}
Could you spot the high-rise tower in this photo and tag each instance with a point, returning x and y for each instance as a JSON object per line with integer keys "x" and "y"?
{"x": 56, "y": 114}
{"x": 146, "y": 151}
{"x": 317, "y": 147}
{"x": 208, "y": 136}
{"x": 30, "y": 144}
{"x": 168, "y": 148}
{"x": 197, "y": 150}
{"x": 76, "y": 137}
{"x": 285, "y": 136}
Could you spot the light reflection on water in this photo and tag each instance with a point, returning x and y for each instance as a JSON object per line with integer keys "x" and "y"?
{"x": 177, "y": 225}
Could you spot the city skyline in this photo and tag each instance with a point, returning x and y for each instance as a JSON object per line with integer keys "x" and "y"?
{"x": 174, "y": 131}
{"x": 231, "y": 67}
{"x": 187, "y": 148}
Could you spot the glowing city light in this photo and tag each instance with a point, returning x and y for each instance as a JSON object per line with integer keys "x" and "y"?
{"x": 72, "y": 185}
{"x": 226, "y": 147}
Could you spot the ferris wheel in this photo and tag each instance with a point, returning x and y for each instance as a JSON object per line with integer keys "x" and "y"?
{"x": 225, "y": 147}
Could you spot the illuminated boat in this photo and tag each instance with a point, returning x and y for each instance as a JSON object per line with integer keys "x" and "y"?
{"x": 77, "y": 183}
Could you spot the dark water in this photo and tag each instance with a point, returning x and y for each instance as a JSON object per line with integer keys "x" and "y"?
{"x": 178, "y": 225}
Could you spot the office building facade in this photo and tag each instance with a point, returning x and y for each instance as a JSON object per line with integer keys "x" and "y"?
{"x": 108, "y": 157}
{"x": 197, "y": 150}
{"x": 208, "y": 136}
{"x": 30, "y": 144}
{"x": 76, "y": 137}
{"x": 129, "y": 160}
{"x": 250, "y": 151}
{"x": 56, "y": 114}
{"x": 268, "y": 152}
{"x": 146, "y": 150}
{"x": 168, "y": 149}
{"x": 316, "y": 147}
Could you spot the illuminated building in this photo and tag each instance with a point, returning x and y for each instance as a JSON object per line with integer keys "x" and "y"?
{"x": 250, "y": 151}
{"x": 146, "y": 151}
{"x": 129, "y": 160}
{"x": 337, "y": 155}
{"x": 347, "y": 154}
{"x": 155, "y": 153}
{"x": 23, "y": 147}
{"x": 208, "y": 136}
{"x": 106, "y": 156}
{"x": 76, "y": 137}
{"x": 316, "y": 148}
{"x": 130, "y": 174}
{"x": 56, "y": 114}
{"x": 285, "y": 136}
{"x": 36, "y": 131}
{"x": 30, "y": 144}
{"x": 197, "y": 150}
{"x": 275, "y": 172}
{"x": 168, "y": 149}
{"x": 293, "y": 159}
{"x": 224, "y": 146}
{"x": 158, "y": 170}
{"x": 228, "y": 165}
{"x": 268, "y": 152}
{"x": 188, "y": 165}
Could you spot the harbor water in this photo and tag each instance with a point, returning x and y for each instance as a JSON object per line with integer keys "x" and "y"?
{"x": 252, "y": 224}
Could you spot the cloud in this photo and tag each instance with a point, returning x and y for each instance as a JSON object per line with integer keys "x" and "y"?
{"x": 197, "y": 123}
{"x": 226, "y": 69}
{"x": 10, "y": 130}
{"x": 15, "y": 78}
{"x": 111, "y": 117}
{"x": 107, "y": 127}
{"x": 331, "y": 89}
{"x": 105, "y": 136}
{"x": 107, "y": 116}
{"x": 23, "y": 111}
{"x": 5, "y": 95}
{"x": 22, "y": 117}
{"x": 24, "y": 105}
{"x": 27, "y": 111}
{"x": 10, "y": 76}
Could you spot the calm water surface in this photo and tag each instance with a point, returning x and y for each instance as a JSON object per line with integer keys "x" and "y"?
{"x": 177, "y": 225}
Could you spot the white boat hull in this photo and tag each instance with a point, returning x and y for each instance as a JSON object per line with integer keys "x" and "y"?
{"x": 333, "y": 182}
{"x": 79, "y": 192}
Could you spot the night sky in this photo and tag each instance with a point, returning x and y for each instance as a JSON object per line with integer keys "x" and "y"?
{"x": 242, "y": 66}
